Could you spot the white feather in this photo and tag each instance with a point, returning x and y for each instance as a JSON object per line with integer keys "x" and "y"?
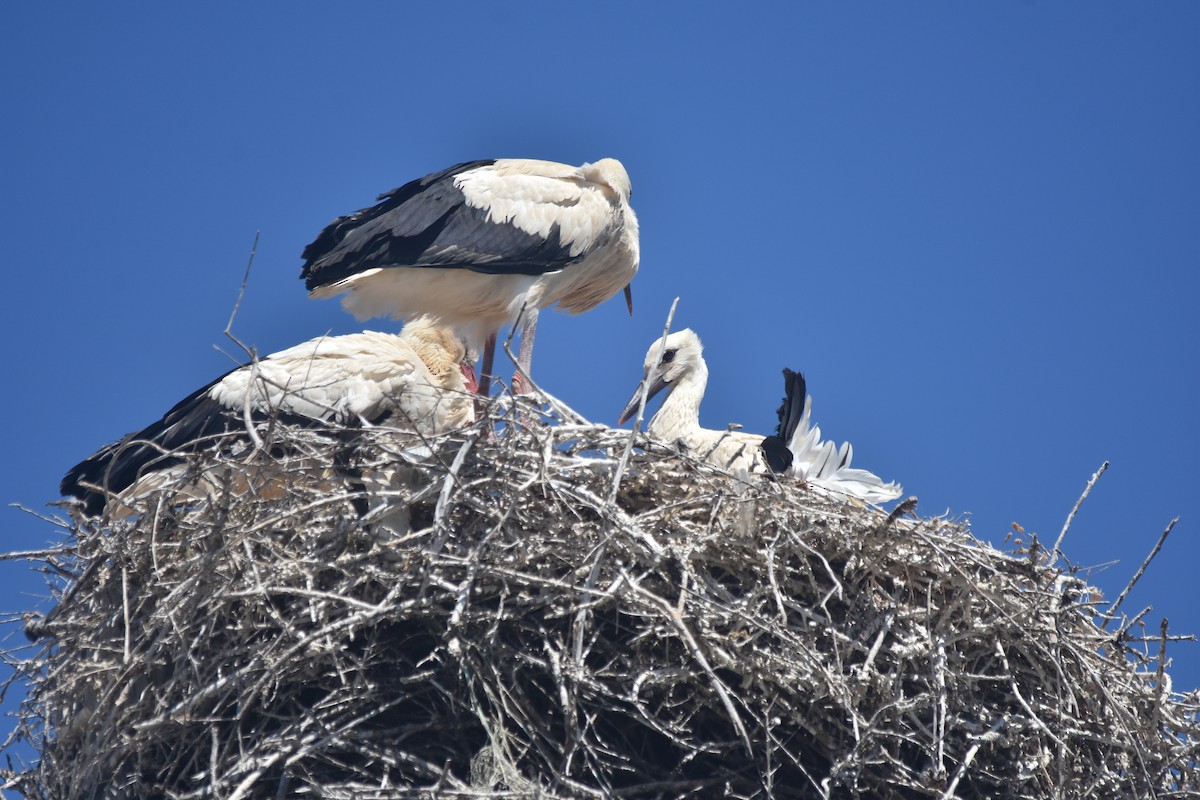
{"x": 534, "y": 196}
{"x": 360, "y": 376}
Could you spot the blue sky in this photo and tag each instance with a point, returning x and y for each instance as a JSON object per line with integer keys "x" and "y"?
{"x": 975, "y": 227}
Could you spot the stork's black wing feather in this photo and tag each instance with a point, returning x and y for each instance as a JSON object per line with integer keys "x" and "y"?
{"x": 194, "y": 423}
{"x": 427, "y": 223}
{"x": 432, "y": 187}
{"x": 775, "y": 448}
{"x": 157, "y": 446}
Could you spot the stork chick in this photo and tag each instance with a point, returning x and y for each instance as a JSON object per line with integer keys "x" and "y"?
{"x": 796, "y": 449}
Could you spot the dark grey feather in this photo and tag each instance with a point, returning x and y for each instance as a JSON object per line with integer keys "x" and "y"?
{"x": 427, "y": 223}
{"x": 775, "y": 447}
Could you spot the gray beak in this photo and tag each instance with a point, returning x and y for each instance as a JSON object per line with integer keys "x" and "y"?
{"x": 632, "y": 407}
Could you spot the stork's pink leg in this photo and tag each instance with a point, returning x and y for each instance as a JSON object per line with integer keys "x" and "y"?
{"x": 525, "y": 356}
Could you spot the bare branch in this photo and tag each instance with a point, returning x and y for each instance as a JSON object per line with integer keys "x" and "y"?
{"x": 1141, "y": 571}
{"x": 1057, "y": 551}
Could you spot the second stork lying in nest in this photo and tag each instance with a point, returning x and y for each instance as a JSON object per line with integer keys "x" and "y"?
{"x": 411, "y": 382}
{"x": 796, "y": 449}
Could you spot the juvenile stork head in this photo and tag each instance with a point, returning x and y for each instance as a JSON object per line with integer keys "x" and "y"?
{"x": 677, "y": 361}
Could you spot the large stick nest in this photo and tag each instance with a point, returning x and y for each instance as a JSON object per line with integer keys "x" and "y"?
{"x": 517, "y": 615}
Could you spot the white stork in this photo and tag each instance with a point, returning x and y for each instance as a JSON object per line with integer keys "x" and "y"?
{"x": 412, "y": 382}
{"x": 481, "y": 243}
{"x": 796, "y": 449}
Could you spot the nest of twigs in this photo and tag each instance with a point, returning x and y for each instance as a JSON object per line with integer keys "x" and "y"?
{"x": 521, "y": 614}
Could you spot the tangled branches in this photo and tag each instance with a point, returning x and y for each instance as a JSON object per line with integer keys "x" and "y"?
{"x": 519, "y": 615}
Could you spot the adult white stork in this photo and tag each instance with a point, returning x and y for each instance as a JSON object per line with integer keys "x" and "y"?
{"x": 411, "y": 381}
{"x": 795, "y": 450}
{"x": 481, "y": 243}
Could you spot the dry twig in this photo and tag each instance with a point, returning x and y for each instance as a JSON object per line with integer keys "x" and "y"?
{"x": 527, "y": 632}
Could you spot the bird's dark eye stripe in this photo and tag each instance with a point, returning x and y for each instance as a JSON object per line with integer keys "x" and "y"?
{"x": 668, "y": 357}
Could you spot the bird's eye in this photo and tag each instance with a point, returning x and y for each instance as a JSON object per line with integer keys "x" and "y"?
{"x": 668, "y": 357}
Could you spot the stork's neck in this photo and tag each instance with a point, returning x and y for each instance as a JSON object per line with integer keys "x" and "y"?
{"x": 680, "y": 412}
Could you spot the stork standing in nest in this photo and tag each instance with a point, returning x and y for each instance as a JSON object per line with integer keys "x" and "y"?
{"x": 795, "y": 450}
{"x": 412, "y": 382}
{"x": 482, "y": 243}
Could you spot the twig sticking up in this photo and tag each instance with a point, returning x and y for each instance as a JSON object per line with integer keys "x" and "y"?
{"x": 1138, "y": 575}
{"x": 249, "y": 351}
{"x": 637, "y": 421}
{"x": 241, "y": 294}
{"x": 582, "y": 614}
{"x": 1055, "y": 553}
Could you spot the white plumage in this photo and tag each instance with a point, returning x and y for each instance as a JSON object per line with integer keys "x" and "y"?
{"x": 476, "y": 243}
{"x": 411, "y": 382}
{"x": 795, "y": 451}
{"x": 820, "y": 464}
{"x": 682, "y": 371}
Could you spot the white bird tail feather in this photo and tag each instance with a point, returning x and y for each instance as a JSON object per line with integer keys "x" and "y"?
{"x": 824, "y": 464}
